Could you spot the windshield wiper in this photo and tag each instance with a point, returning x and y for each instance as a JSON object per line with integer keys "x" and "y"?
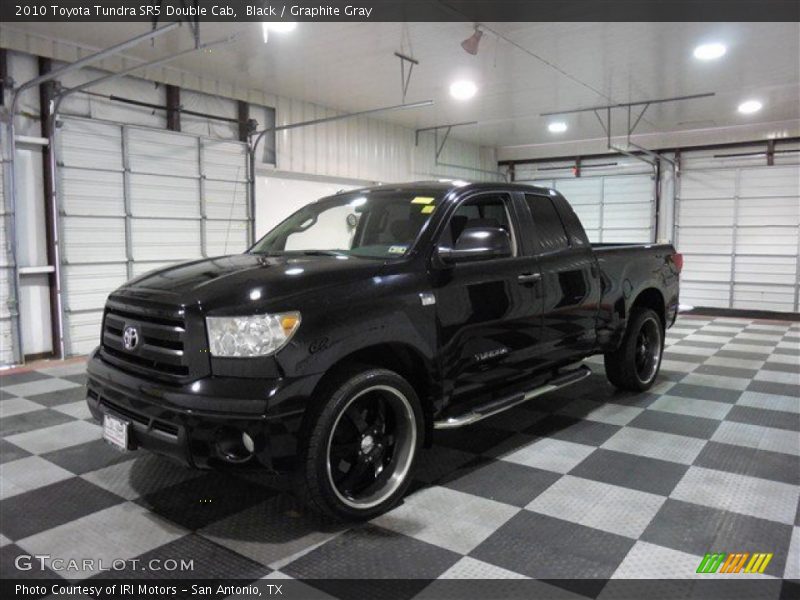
{"x": 321, "y": 253}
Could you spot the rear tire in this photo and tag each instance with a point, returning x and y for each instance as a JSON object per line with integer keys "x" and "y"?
{"x": 635, "y": 364}
{"x": 362, "y": 445}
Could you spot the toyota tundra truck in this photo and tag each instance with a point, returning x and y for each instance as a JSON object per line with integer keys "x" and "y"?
{"x": 336, "y": 346}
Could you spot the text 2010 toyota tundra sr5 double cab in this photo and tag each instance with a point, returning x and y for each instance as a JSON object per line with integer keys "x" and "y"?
{"x": 342, "y": 339}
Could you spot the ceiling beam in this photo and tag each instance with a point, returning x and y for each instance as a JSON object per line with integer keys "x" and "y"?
{"x": 626, "y": 104}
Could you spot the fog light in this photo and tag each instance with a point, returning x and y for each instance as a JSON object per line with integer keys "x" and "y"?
{"x": 248, "y": 443}
{"x": 232, "y": 447}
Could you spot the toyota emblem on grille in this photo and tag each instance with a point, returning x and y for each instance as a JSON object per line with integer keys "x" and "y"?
{"x": 130, "y": 337}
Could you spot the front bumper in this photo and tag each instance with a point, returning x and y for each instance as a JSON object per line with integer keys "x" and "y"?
{"x": 194, "y": 423}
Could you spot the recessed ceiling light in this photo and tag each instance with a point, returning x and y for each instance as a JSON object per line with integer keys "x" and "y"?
{"x": 277, "y": 27}
{"x": 709, "y": 51}
{"x": 463, "y": 89}
{"x": 749, "y": 107}
{"x": 557, "y": 127}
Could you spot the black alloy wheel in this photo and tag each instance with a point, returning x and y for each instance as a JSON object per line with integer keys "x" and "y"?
{"x": 362, "y": 440}
{"x": 634, "y": 365}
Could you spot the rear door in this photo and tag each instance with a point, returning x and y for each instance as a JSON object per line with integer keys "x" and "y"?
{"x": 486, "y": 311}
{"x": 569, "y": 288}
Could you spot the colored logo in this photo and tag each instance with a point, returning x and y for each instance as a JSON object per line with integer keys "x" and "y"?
{"x": 721, "y": 562}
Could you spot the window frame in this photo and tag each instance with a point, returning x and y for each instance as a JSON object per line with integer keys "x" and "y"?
{"x": 537, "y": 249}
{"x": 514, "y": 220}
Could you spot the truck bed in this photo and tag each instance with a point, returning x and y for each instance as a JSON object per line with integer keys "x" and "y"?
{"x": 600, "y": 246}
{"x": 612, "y": 250}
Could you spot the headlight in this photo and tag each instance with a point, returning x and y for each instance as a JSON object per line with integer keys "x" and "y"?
{"x": 256, "y": 335}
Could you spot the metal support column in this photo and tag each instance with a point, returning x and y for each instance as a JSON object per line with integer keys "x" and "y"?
{"x": 173, "y": 108}
{"x": 601, "y": 226}
{"x": 4, "y": 82}
{"x": 126, "y": 197}
{"x": 203, "y": 215}
{"x": 243, "y": 113}
{"x": 734, "y": 234}
{"x": 47, "y": 93}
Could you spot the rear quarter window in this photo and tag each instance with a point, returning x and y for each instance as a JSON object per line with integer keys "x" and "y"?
{"x": 551, "y": 236}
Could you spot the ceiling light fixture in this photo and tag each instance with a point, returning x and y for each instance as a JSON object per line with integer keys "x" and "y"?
{"x": 710, "y": 51}
{"x": 557, "y": 127}
{"x": 749, "y": 107}
{"x": 470, "y": 45}
{"x": 463, "y": 89}
{"x": 277, "y": 27}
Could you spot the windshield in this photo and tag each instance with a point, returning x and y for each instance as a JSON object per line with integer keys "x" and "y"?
{"x": 374, "y": 224}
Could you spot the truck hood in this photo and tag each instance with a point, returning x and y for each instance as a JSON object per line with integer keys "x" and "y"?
{"x": 227, "y": 280}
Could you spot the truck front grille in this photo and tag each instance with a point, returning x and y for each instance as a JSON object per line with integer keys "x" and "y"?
{"x": 160, "y": 347}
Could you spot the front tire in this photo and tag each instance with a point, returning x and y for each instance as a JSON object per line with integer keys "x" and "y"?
{"x": 362, "y": 445}
{"x": 635, "y": 364}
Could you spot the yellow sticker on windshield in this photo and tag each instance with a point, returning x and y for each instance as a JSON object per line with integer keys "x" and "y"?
{"x": 422, "y": 200}
{"x": 426, "y": 210}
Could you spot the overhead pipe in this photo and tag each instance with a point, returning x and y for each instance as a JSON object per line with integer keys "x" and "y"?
{"x": 11, "y": 186}
{"x": 259, "y": 135}
{"x": 629, "y": 105}
{"x": 438, "y": 148}
{"x": 87, "y": 60}
{"x": 626, "y": 104}
{"x": 152, "y": 63}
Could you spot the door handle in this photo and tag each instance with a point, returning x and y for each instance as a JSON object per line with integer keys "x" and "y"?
{"x": 529, "y": 277}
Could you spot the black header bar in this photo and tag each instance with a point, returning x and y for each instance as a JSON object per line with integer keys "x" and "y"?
{"x": 398, "y": 10}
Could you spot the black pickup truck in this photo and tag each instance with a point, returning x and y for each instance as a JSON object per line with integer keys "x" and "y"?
{"x": 341, "y": 340}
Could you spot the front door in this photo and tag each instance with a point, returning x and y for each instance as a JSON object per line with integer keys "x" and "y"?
{"x": 487, "y": 314}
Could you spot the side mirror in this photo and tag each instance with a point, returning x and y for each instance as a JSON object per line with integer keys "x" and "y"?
{"x": 478, "y": 243}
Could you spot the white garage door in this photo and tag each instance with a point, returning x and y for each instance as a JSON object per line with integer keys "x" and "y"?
{"x": 738, "y": 226}
{"x": 615, "y": 202}
{"x": 133, "y": 199}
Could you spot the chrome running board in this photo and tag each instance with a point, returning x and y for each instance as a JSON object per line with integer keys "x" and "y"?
{"x": 489, "y": 409}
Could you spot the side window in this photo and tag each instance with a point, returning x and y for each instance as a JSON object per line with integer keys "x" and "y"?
{"x": 491, "y": 210}
{"x": 550, "y": 233}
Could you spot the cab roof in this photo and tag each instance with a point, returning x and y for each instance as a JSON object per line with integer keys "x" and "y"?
{"x": 445, "y": 186}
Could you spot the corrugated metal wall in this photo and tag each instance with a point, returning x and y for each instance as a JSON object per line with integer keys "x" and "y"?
{"x": 738, "y": 225}
{"x": 614, "y": 198}
{"x": 133, "y": 199}
{"x": 371, "y": 149}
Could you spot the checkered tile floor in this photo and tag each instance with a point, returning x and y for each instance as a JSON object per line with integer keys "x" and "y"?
{"x": 586, "y": 483}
